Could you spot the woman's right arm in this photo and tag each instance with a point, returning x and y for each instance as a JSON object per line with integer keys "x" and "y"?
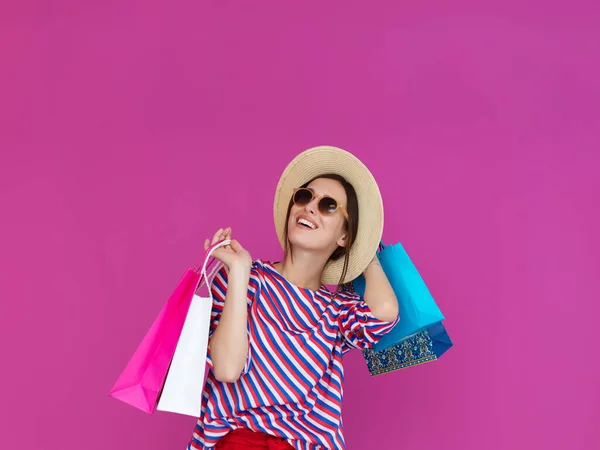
{"x": 229, "y": 342}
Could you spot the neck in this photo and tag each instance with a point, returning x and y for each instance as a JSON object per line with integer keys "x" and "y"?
{"x": 305, "y": 271}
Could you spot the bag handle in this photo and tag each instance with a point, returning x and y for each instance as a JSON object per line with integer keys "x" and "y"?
{"x": 210, "y": 249}
{"x": 197, "y": 267}
{"x": 203, "y": 276}
{"x": 211, "y": 275}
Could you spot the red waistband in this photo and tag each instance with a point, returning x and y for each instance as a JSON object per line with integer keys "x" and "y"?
{"x": 251, "y": 439}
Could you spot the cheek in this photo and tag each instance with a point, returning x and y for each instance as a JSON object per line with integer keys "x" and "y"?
{"x": 293, "y": 212}
{"x": 333, "y": 225}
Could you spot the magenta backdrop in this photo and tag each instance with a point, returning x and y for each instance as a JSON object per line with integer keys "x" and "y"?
{"x": 130, "y": 131}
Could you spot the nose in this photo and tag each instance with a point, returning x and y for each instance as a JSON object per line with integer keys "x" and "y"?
{"x": 312, "y": 206}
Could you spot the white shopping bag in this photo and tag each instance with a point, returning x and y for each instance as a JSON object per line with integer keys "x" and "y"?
{"x": 182, "y": 391}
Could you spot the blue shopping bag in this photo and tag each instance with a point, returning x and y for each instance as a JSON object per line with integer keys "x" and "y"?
{"x": 417, "y": 308}
{"x": 424, "y": 346}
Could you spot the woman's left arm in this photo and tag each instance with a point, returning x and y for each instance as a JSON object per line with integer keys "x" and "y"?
{"x": 379, "y": 294}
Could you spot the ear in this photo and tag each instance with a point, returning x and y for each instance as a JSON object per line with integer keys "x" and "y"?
{"x": 342, "y": 240}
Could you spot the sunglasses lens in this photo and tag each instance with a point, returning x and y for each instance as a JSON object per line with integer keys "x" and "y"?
{"x": 302, "y": 197}
{"x": 327, "y": 205}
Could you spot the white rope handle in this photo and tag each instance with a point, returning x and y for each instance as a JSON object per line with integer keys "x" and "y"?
{"x": 211, "y": 275}
{"x": 203, "y": 277}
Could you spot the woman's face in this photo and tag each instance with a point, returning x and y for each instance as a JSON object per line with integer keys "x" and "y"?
{"x": 328, "y": 231}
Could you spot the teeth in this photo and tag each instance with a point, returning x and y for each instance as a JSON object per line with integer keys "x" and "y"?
{"x": 306, "y": 222}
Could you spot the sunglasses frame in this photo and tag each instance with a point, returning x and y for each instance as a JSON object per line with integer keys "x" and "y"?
{"x": 319, "y": 198}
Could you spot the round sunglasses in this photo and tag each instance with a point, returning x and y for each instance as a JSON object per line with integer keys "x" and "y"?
{"x": 327, "y": 205}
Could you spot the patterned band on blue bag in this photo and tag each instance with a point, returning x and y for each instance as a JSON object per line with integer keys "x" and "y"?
{"x": 417, "y": 349}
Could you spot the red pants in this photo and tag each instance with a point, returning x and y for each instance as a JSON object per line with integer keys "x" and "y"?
{"x": 244, "y": 439}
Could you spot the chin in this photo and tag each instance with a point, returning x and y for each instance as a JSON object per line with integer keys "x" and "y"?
{"x": 304, "y": 240}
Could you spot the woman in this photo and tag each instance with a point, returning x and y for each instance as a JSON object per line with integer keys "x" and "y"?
{"x": 277, "y": 334}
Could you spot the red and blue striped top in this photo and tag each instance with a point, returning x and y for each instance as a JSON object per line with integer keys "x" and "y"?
{"x": 292, "y": 382}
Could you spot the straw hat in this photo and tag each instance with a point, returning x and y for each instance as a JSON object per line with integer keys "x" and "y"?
{"x": 326, "y": 159}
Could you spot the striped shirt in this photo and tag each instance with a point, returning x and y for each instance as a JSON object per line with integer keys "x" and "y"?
{"x": 292, "y": 382}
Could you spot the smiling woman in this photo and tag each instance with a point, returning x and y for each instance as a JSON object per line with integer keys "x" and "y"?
{"x": 277, "y": 334}
{"x": 319, "y": 195}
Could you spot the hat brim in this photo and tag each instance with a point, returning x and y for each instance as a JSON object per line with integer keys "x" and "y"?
{"x": 327, "y": 159}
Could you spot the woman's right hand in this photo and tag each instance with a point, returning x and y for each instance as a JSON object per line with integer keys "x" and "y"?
{"x": 230, "y": 255}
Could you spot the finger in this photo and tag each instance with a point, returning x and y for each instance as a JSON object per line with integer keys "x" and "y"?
{"x": 206, "y": 241}
{"x": 236, "y": 246}
{"x": 224, "y": 236}
{"x": 217, "y": 236}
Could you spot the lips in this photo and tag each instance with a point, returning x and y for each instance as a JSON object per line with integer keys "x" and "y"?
{"x": 306, "y": 223}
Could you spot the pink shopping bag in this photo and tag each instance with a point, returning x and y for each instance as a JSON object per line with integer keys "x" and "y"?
{"x": 142, "y": 380}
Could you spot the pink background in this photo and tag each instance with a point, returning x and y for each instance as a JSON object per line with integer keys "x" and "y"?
{"x": 131, "y": 130}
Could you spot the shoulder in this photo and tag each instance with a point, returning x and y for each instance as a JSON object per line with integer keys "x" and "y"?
{"x": 348, "y": 298}
{"x": 258, "y": 265}
{"x": 256, "y": 271}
